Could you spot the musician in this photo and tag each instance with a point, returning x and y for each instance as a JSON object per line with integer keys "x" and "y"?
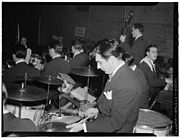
{"x": 37, "y": 62}
{"x": 23, "y": 42}
{"x": 10, "y": 122}
{"x": 138, "y": 47}
{"x": 57, "y": 64}
{"x": 21, "y": 67}
{"x": 141, "y": 78}
{"x": 148, "y": 67}
{"x": 118, "y": 106}
{"x": 80, "y": 58}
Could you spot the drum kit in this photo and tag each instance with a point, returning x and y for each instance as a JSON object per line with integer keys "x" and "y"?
{"x": 28, "y": 93}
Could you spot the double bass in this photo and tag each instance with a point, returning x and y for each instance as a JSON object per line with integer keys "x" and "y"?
{"x": 126, "y": 27}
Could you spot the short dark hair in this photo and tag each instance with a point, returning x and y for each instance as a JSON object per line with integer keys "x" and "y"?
{"x": 56, "y": 46}
{"x": 77, "y": 44}
{"x": 139, "y": 26}
{"x": 129, "y": 57}
{"x": 19, "y": 50}
{"x": 149, "y": 46}
{"x": 107, "y": 48}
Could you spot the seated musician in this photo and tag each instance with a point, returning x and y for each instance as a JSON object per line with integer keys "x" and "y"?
{"x": 141, "y": 78}
{"x": 57, "y": 64}
{"x": 80, "y": 58}
{"x": 37, "y": 62}
{"x": 21, "y": 67}
{"x": 10, "y": 122}
{"x": 118, "y": 106}
{"x": 148, "y": 67}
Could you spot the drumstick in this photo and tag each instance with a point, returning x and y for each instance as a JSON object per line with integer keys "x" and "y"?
{"x": 83, "y": 120}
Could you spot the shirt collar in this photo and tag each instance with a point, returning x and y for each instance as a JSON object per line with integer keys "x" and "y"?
{"x": 133, "y": 67}
{"x": 77, "y": 53}
{"x": 19, "y": 61}
{"x": 138, "y": 37}
{"x": 56, "y": 56}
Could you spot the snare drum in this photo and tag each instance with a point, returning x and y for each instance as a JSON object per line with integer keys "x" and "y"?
{"x": 153, "y": 122}
{"x": 32, "y": 112}
{"x": 66, "y": 119}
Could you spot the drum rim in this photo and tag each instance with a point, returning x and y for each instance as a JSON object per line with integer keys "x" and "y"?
{"x": 153, "y": 128}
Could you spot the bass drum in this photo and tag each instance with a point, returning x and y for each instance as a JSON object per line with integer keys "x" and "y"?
{"x": 153, "y": 122}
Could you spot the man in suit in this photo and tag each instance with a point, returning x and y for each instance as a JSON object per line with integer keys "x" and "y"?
{"x": 118, "y": 106}
{"x": 141, "y": 78}
{"x": 138, "y": 47}
{"x": 148, "y": 67}
{"x": 57, "y": 64}
{"x": 80, "y": 58}
{"x": 10, "y": 122}
{"x": 21, "y": 67}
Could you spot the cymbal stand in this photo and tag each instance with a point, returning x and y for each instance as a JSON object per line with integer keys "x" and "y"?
{"x": 48, "y": 89}
{"x": 25, "y": 78}
{"x": 20, "y": 106}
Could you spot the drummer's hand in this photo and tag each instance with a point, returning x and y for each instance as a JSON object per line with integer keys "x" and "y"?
{"x": 76, "y": 127}
{"x": 91, "y": 112}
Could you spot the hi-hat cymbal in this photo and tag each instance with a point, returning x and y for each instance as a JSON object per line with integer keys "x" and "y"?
{"x": 87, "y": 71}
{"x": 49, "y": 80}
{"x": 28, "y": 93}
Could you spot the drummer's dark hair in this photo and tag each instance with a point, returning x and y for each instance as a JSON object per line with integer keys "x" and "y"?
{"x": 107, "y": 48}
{"x": 19, "y": 50}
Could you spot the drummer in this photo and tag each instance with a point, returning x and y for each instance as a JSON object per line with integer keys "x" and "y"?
{"x": 11, "y": 123}
{"x": 118, "y": 106}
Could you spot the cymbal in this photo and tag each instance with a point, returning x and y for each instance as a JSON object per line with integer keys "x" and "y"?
{"x": 87, "y": 72}
{"x": 28, "y": 93}
{"x": 49, "y": 80}
{"x": 67, "y": 78}
{"x": 53, "y": 127}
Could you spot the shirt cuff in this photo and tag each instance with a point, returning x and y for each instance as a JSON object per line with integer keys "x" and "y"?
{"x": 84, "y": 127}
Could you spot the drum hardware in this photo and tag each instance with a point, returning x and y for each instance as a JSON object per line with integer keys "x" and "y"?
{"x": 25, "y": 77}
{"x": 87, "y": 72}
{"x": 22, "y": 93}
{"x": 49, "y": 80}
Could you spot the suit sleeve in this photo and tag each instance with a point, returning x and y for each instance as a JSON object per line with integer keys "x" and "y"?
{"x": 121, "y": 107}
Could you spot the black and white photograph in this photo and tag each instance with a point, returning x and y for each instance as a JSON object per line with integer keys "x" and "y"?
{"x": 89, "y": 69}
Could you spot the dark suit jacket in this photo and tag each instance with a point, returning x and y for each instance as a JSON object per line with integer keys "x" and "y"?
{"x": 55, "y": 66}
{"x": 145, "y": 87}
{"x": 151, "y": 78}
{"x": 121, "y": 113}
{"x": 80, "y": 60}
{"x": 13, "y": 124}
{"x": 137, "y": 50}
{"x": 10, "y": 75}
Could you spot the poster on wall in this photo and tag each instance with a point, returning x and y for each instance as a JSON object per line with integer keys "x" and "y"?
{"x": 80, "y": 31}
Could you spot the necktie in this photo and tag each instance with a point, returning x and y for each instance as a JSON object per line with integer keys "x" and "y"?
{"x": 154, "y": 70}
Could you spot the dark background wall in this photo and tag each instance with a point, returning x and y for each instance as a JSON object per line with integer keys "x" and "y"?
{"x": 39, "y": 21}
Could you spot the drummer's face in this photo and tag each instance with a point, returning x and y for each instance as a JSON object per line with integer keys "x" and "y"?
{"x": 103, "y": 64}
